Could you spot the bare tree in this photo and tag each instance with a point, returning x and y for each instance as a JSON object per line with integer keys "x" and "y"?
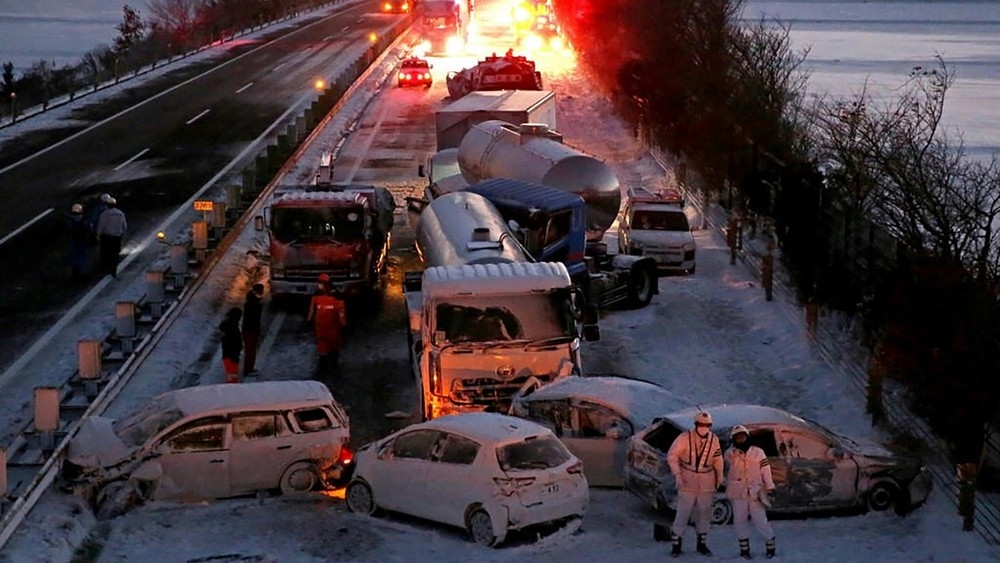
{"x": 178, "y": 18}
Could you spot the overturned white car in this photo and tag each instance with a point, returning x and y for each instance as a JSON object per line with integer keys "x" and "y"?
{"x": 209, "y": 442}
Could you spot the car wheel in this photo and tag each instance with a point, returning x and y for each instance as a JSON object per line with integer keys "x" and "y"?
{"x": 640, "y": 286}
{"x": 360, "y": 499}
{"x": 481, "y": 528}
{"x": 722, "y": 512}
{"x": 882, "y": 496}
{"x": 300, "y": 477}
{"x": 115, "y": 498}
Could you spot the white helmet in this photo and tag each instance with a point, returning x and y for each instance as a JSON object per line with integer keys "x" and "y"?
{"x": 738, "y": 429}
{"x": 703, "y": 418}
{"x": 77, "y": 208}
{"x": 106, "y": 198}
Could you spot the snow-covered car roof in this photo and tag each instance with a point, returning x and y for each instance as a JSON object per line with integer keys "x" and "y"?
{"x": 639, "y": 401}
{"x": 506, "y": 279}
{"x": 288, "y": 394}
{"x": 725, "y": 416}
{"x": 485, "y": 426}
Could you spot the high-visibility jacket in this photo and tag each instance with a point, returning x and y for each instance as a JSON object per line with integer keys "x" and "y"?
{"x": 696, "y": 462}
{"x": 329, "y": 315}
{"x": 749, "y": 473}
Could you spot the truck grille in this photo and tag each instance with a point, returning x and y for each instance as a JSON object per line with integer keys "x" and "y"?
{"x": 488, "y": 391}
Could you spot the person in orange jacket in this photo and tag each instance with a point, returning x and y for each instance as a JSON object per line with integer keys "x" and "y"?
{"x": 328, "y": 314}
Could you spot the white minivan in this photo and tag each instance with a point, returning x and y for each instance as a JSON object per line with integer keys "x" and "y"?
{"x": 209, "y": 442}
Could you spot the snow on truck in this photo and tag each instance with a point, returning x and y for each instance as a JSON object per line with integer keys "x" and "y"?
{"x": 566, "y": 227}
{"x": 339, "y": 230}
{"x": 484, "y": 318}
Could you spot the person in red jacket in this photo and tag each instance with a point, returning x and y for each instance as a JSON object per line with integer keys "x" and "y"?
{"x": 328, "y": 314}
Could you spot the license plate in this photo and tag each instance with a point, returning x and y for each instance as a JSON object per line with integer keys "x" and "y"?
{"x": 550, "y": 489}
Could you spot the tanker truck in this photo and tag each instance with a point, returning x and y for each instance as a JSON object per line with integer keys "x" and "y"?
{"x": 484, "y": 318}
{"x": 536, "y": 156}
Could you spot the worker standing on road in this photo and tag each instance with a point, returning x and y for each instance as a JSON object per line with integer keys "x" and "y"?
{"x": 79, "y": 243}
{"x": 695, "y": 459}
{"x": 111, "y": 229}
{"x": 749, "y": 486}
{"x": 253, "y": 308}
{"x": 329, "y": 317}
{"x": 232, "y": 344}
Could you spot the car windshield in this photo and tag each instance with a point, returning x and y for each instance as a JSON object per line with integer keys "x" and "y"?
{"x": 536, "y": 452}
{"x": 343, "y": 224}
{"x": 135, "y": 429}
{"x": 660, "y": 221}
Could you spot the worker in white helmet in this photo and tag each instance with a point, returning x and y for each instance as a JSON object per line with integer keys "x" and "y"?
{"x": 695, "y": 459}
{"x": 749, "y": 486}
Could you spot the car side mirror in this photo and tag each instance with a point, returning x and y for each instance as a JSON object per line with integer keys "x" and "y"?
{"x": 614, "y": 433}
{"x": 258, "y": 223}
{"x": 591, "y": 332}
{"x": 836, "y": 453}
{"x": 421, "y": 171}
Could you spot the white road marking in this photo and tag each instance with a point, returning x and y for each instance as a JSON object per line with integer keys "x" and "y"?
{"x": 25, "y": 226}
{"x": 240, "y": 91}
{"x": 197, "y": 117}
{"x": 129, "y": 161}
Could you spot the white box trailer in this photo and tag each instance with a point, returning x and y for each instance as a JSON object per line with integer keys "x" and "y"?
{"x": 512, "y": 106}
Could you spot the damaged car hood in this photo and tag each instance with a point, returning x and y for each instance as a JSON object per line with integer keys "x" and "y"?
{"x": 96, "y": 444}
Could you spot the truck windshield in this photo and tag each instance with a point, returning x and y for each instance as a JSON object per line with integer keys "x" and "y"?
{"x": 468, "y": 319}
{"x": 660, "y": 221}
{"x": 304, "y": 224}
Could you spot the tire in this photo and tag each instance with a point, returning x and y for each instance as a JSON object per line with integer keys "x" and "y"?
{"x": 641, "y": 286}
{"x": 360, "y": 499}
{"x": 115, "y": 498}
{"x": 480, "y": 527}
{"x": 722, "y": 512}
{"x": 300, "y": 478}
{"x": 882, "y": 496}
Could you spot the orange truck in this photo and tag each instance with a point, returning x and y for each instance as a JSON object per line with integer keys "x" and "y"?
{"x": 339, "y": 230}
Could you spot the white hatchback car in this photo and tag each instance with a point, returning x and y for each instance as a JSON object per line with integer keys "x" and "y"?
{"x": 488, "y": 473}
{"x": 211, "y": 441}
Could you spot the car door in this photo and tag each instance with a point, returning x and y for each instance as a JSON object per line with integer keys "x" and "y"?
{"x": 262, "y": 447}
{"x": 598, "y": 438}
{"x": 816, "y": 478}
{"x": 399, "y": 476}
{"x": 453, "y": 483}
{"x": 766, "y": 439}
{"x": 195, "y": 461}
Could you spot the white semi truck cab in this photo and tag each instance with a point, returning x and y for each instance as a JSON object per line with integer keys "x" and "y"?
{"x": 484, "y": 319}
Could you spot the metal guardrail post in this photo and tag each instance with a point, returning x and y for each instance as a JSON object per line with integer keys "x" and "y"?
{"x": 125, "y": 326}
{"x": 218, "y": 219}
{"x": 199, "y": 240}
{"x": 155, "y": 293}
{"x": 46, "y": 417}
{"x": 3, "y": 480}
{"x": 178, "y": 264}
{"x": 88, "y": 354}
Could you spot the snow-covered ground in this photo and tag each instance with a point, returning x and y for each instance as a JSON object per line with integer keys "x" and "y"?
{"x": 711, "y": 337}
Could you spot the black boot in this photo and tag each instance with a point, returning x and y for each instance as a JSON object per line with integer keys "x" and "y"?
{"x": 745, "y": 548}
{"x": 769, "y": 548}
{"x": 702, "y": 547}
{"x": 661, "y": 532}
{"x": 675, "y": 549}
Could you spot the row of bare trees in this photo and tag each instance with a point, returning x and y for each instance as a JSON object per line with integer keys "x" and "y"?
{"x": 173, "y": 27}
{"x": 729, "y": 98}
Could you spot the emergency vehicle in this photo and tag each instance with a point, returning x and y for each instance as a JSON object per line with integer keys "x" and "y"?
{"x": 655, "y": 225}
